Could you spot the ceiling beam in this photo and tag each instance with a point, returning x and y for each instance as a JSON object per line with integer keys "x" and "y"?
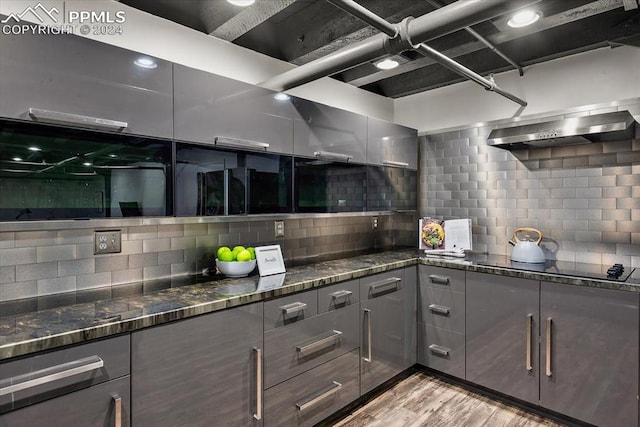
{"x": 249, "y": 18}
{"x": 566, "y": 17}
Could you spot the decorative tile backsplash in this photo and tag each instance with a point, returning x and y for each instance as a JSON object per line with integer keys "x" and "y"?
{"x": 585, "y": 199}
{"x": 37, "y": 263}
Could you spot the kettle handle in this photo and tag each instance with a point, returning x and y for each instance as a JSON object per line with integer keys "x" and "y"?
{"x": 529, "y": 229}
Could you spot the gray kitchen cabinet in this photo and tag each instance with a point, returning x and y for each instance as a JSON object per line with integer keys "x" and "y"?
{"x": 67, "y": 79}
{"x": 201, "y": 371}
{"x": 391, "y": 144}
{"x": 502, "y": 324}
{"x": 327, "y": 132}
{"x": 441, "y": 319}
{"x": 85, "y": 385}
{"x": 589, "y": 353}
{"x": 382, "y": 318}
{"x": 208, "y": 106}
{"x": 314, "y": 395}
{"x": 410, "y": 315}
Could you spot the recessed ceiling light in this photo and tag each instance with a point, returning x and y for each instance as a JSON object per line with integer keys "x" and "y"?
{"x": 523, "y": 18}
{"x": 387, "y": 64}
{"x": 34, "y": 148}
{"x": 17, "y": 159}
{"x": 113, "y": 156}
{"x": 386, "y": 138}
{"x": 144, "y": 62}
{"x": 241, "y": 3}
{"x": 281, "y": 96}
{"x": 87, "y": 163}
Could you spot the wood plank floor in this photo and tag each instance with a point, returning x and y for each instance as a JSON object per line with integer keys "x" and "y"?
{"x": 423, "y": 400}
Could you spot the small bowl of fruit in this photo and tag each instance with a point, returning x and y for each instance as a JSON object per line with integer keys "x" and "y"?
{"x": 236, "y": 262}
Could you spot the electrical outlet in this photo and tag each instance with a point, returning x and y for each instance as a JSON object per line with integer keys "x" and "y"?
{"x": 374, "y": 223}
{"x": 107, "y": 242}
{"x": 279, "y": 228}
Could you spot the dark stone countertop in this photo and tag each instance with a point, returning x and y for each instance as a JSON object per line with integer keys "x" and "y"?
{"x": 74, "y": 318}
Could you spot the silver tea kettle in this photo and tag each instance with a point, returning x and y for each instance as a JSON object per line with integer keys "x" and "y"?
{"x": 527, "y": 250}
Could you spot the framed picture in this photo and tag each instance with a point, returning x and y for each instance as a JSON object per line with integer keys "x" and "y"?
{"x": 270, "y": 260}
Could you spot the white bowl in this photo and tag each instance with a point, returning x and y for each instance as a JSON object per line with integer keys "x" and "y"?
{"x": 236, "y": 268}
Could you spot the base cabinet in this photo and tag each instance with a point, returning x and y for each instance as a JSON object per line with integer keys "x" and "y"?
{"x": 501, "y": 336}
{"x": 589, "y": 352}
{"x": 202, "y": 371}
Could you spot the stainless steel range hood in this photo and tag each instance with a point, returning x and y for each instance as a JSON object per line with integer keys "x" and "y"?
{"x": 614, "y": 126}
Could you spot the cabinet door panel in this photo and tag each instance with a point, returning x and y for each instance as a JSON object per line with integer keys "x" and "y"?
{"x": 441, "y": 349}
{"x": 441, "y": 308}
{"x": 497, "y": 310}
{"x": 594, "y": 354}
{"x": 91, "y": 407}
{"x": 389, "y": 142}
{"x": 199, "y": 371}
{"x": 318, "y": 127}
{"x": 207, "y": 105}
{"x": 74, "y": 75}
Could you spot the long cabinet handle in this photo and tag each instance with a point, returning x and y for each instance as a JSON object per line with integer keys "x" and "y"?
{"x": 438, "y": 349}
{"x": 321, "y": 343}
{"x": 240, "y": 143}
{"x": 50, "y": 116}
{"x": 440, "y": 309}
{"x": 258, "y": 414}
{"x": 367, "y": 313}
{"x": 319, "y": 398}
{"x": 395, "y": 163}
{"x": 528, "y": 362}
{"x": 341, "y": 294}
{"x": 548, "y": 347}
{"x": 51, "y": 374}
{"x": 332, "y": 155}
{"x": 440, "y": 280}
{"x": 294, "y": 307}
{"x": 384, "y": 285}
{"x": 117, "y": 410}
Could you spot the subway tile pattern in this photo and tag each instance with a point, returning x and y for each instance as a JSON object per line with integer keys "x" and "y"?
{"x": 583, "y": 198}
{"x": 49, "y": 262}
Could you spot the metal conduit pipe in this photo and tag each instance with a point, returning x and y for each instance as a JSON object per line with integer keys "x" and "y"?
{"x": 466, "y": 72}
{"x": 364, "y": 14}
{"x": 450, "y": 18}
{"x": 380, "y": 23}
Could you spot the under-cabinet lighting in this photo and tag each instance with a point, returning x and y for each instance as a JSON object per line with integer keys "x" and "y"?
{"x": 242, "y": 3}
{"x": 523, "y": 18}
{"x": 387, "y": 64}
{"x": 87, "y": 164}
{"x": 145, "y": 62}
{"x": 281, "y": 96}
{"x": 17, "y": 159}
{"x": 34, "y": 148}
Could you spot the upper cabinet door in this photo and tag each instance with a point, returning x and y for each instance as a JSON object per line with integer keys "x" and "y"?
{"x": 76, "y": 81}
{"x": 208, "y": 106}
{"x": 323, "y": 131}
{"x": 391, "y": 144}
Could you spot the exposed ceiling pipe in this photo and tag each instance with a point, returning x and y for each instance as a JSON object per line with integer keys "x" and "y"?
{"x": 366, "y": 15}
{"x": 443, "y": 21}
{"x": 484, "y": 41}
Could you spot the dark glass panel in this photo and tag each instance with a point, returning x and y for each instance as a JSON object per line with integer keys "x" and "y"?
{"x": 50, "y": 172}
{"x": 391, "y": 188}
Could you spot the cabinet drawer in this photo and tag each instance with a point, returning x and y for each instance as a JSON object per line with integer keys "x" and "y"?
{"x": 441, "y": 308}
{"x": 296, "y": 348}
{"x": 441, "y": 349}
{"x": 444, "y": 278}
{"x": 381, "y": 284}
{"x": 63, "y": 371}
{"x": 314, "y": 395}
{"x": 287, "y": 310}
{"x": 338, "y": 295}
{"x": 93, "y": 407}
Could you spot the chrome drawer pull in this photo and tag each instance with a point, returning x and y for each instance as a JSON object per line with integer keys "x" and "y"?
{"x": 440, "y": 309}
{"x": 294, "y": 307}
{"x": 341, "y": 294}
{"x": 440, "y": 280}
{"x": 367, "y": 313}
{"x": 548, "y": 348}
{"x": 332, "y": 156}
{"x": 395, "y": 163}
{"x": 308, "y": 404}
{"x": 48, "y": 375}
{"x": 258, "y": 414}
{"x": 117, "y": 410}
{"x": 49, "y": 116}
{"x": 442, "y": 351}
{"x": 384, "y": 285}
{"x": 321, "y": 343}
{"x": 528, "y": 363}
{"x": 240, "y": 143}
